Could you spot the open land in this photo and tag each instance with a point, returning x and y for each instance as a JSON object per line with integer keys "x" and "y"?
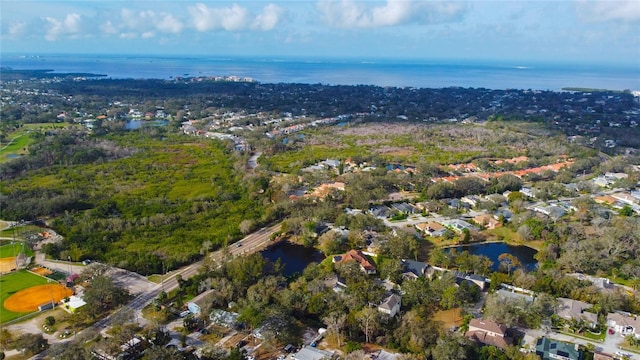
{"x": 13, "y": 283}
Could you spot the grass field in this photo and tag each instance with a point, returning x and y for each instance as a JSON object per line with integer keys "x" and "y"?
{"x": 11, "y": 250}
{"x": 20, "y": 139}
{"x": 20, "y": 231}
{"x": 12, "y": 283}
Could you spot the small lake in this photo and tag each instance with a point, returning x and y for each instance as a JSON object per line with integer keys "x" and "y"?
{"x": 137, "y": 124}
{"x": 294, "y": 257}
{"x": 493, "y": 250}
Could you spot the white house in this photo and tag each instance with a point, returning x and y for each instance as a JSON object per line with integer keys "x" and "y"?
{"x": 390, "y": 305}
{"x": 625, "y": 324}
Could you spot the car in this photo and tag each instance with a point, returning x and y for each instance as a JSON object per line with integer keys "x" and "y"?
{"x": 241, "y": 344}
{"x": 238, "y": 244}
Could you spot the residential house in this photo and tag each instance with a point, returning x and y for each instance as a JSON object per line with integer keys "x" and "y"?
{"x": 325, "y": 189}
{"x": 569, "y": 309}
{"x": 624, "y": 323}
{"x": 404, "y": 208}
{"x": 380, "y": 211}
{"x": 357, "y": 256}
{"x": 529, "y": 192}
{"x": 414, "y": 269}
{"x": 385, "y": 355}
{"x": 458, "y": 225}
{"x": 488, "y": 332}
{"x": 505, "y": 294}
{"x": 506, "y": 213}
{"x": 548, "y": 349}
{"x": 312, "y": 353}
{"x": 431, "y": 228}
{"x": 472, "y": 200}
{"x": 480, "y": 281}
{"x": 487, "y": 221}
{"x": 197, "y": 303}
{"x": 625, "y": 198}
{"x": 552, "y": 211}
{"x": 602, "y": 356}
{"x": 390, "y": 305}
{"x": 605, "y": 199}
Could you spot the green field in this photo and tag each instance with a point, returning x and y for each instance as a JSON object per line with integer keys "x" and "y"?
{"x": 18, "y": 141}
{"x": 11, "y": 250}
{"x": 20, "y": 231}
{"x": 12, "y": 283}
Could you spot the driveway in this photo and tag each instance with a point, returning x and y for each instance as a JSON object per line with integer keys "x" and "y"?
{"x": 609, "y": 346}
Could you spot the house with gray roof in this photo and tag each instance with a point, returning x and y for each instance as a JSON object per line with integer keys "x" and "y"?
{"x": 312, "y": 353}
{"x": 414, "y": 269}
{"x": 548, "y": 349}
{"x": 569, "y": 309}
{"x": 624, "y": 323}
{"x": 390, "y": 305}
{"x": 505, "y": 294}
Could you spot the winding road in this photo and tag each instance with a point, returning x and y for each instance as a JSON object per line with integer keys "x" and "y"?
{"x": 250, "y": 244}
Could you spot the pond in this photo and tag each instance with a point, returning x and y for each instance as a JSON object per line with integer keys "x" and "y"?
{"x": 137, "y": 124}
{"x": 294, "y": 257}
{"x": 493, "y": 250}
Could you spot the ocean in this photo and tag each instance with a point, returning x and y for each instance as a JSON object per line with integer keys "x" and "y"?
{"x": 334, "y": 71}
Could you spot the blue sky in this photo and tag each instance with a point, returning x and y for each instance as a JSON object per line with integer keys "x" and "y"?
{"x": 557, "y": 31}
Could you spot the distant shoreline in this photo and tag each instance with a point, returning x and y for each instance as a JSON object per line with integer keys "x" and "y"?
{"x": 342, "y": 72}
{"x": 10, "y": 74}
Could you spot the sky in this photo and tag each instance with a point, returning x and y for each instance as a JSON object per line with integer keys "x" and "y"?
{"x": 554, "y": 31}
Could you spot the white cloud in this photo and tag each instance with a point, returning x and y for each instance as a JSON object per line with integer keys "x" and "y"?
{"x": 70, "y": 26}
{"x": 234, "y": 18}
{"x": 169, "y": 24}
{"x": 608, "y": 11}
{"x": 108, "y": 28}
{"x": 145, "y": 24}
{"x": 17, "y": 29}
{"x": 270, "y": 17}
{"x": 361, "y": 14}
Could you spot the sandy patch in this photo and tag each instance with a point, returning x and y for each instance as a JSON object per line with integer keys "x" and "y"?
{"x": 7, "y": 264}
{"x": 42, "y": 271}
{"x": 28, "y": 300}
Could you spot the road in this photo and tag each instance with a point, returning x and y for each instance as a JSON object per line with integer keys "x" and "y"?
{"x": 250, "y": 244}
{"x": 609, "y": 346}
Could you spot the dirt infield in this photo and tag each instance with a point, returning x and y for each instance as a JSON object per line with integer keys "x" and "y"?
{"x": 7, "y": 264}
{"x": 42, "y": 271}
{"x": 28, "y": 300}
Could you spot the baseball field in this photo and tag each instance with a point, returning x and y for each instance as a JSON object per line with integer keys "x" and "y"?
{"x": 21, "y": 292}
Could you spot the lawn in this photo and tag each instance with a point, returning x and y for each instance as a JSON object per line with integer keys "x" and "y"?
{"x": 12, "y": 283}
{"x": 19, "y": 140}
{"x": 20, "y": 231}
{"x": 11, "y": 250}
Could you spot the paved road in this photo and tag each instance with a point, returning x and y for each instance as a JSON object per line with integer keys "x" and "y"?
{"x": 252, "y": 243}
{"x": 62, "y": 266}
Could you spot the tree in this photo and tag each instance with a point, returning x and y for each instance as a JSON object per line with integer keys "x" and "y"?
{"x": 330, "y": 243}
{"x": 31, "y": 344}
{"x": 161, "y": 352}
{"x": 6, "y": 339}
{"x": 452, "y": 346}
{"x": 509, "y": 262}
{"x": 369, "y": 321}
{"x": 246, "y": 226}
{"x": 49, "y": 321}
{"x": 103, "y": 294}
{"x": 626, "y": 211}
{"x": 72, "y": 350}
{"x": 335, "y": 322}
